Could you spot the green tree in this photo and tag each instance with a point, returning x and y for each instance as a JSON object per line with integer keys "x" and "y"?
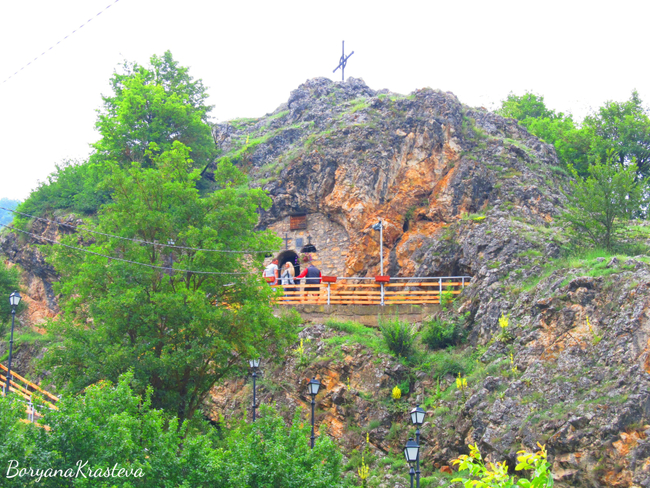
{"x": 157, "y": 104}
{"x": 73, "y": 186}
{"x": 179, "y": 332}
{"x": 599, "y": 204}
{"x": 526, "y": 106}
{"x": 110, "y": 424}
{"x": 270, "y": 454}
{"x": 624, "y": 128}
{"x": 572, "y": 143}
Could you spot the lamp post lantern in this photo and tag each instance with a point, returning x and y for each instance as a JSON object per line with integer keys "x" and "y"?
{"x": 314, "y": 386}
{"x": 254, "y": 364}
{"x": 14, "y": 300}
{"x": 411, "y": 453}
{"x": 417, "y": 419}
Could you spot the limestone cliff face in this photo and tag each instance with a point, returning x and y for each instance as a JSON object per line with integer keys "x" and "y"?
{"x": 419, "y": 162}
{"x": 36, "y": 278}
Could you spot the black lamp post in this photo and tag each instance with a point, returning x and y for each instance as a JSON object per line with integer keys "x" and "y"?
{"x": 14, "y": 300}
{"x": 411, "y": 453}
{"x": 254, "y": 364}
{"x": 417, "y": 419}
{"x": 314, "y": 386}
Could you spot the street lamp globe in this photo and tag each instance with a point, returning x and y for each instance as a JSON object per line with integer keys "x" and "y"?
{"x": 314, "y": 386}
{"x": 14, "y": 299}
{"x": 411, "y": 451}
{"x": 417, "y": 415}
{"x": 254, "y": 363}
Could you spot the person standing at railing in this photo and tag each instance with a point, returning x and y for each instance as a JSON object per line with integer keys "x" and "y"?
{"x": 271, "y": 271}
{"x": 312, "y": 276}
{"x": 287, "y": 278}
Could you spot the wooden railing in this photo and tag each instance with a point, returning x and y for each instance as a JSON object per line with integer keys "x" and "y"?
{"x": 25, "y": 389}
{"x": 372, "y": 291}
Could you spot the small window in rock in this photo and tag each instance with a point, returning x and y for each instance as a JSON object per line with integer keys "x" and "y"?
{"x": 297, "y": 222}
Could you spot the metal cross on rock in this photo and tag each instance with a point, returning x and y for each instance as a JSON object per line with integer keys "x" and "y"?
{"x": 343, "y": 61}
{"x": 286, "y": 240}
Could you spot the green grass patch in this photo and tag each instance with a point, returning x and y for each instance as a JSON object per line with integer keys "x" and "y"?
{"x": 356, "y": 333}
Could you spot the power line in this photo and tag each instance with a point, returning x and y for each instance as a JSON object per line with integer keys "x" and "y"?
{"x": 120, "y": 259}
{"x": 61, "y": 40}
{"x": 140, "y": 241}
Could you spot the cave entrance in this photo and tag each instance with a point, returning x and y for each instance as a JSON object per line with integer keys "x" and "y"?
{"x": 288, "y": 256}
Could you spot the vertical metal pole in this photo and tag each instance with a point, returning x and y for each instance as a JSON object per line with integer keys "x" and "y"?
{"x": 328, "y": 293}
{"x": 417, "y": 460}
{"x": 381, "y": 248}
{"x": 411, "y": 473}
{"x": 11, "y": 346}
{"x": 382, "y": 294}
{"x": 254, "y": 400}
{"x": 439, "y": 291}
{"x": 342, "y": 65}
{"x": 463, "y": 283}
{"x": 313, "y": 403}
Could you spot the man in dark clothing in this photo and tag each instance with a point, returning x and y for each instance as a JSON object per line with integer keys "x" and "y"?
{"x": 313, "y": 277}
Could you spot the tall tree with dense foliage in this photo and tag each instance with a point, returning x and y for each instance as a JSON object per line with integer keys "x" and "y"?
{"x": 150, "y": 108}
{"x": 599, "y": 204}
{"x": 158, "y": 104}
{"x": 622, "y": 127}
{"x": 181, "y": 331}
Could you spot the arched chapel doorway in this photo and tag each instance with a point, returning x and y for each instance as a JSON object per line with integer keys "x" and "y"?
{"x": 290, "y": 256}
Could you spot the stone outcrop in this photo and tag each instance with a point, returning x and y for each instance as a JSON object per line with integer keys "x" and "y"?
{"x": 21, "y": 250}
{"x": 352, "y": 155}
{"x": 461, "y": 191}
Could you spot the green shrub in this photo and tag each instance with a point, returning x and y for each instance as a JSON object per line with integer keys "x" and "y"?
{"x": 439, "y": 334}
{"x": 451, "y": 363}
{"x": 405, "y": 387}
{"x": 399, "y": 336}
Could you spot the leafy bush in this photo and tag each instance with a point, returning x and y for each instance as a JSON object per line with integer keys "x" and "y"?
{"x": 74, "y": 185}
{"x": 445, "y": 364}
{"x": 110, "y": 424}
{"x": 438, "y": 333}
{"x": 497, "y": 476}
{"x": 399, "y": 336}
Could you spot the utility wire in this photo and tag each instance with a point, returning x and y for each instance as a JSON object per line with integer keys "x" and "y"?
{"x": 120, "y": 259}
{"x": 61, "y": 40}
{"x": 133, "y": 240}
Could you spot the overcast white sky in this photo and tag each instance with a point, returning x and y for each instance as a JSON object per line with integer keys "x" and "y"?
{"x": 251, "y": 54}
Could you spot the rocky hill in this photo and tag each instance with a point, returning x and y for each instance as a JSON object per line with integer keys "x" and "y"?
{"x": 461, "y": 191}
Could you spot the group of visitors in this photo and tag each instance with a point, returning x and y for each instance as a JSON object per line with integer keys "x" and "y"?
{"x": 287, "y": 276}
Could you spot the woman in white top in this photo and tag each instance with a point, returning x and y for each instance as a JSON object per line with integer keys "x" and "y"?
{"x": 288, "y": 275}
